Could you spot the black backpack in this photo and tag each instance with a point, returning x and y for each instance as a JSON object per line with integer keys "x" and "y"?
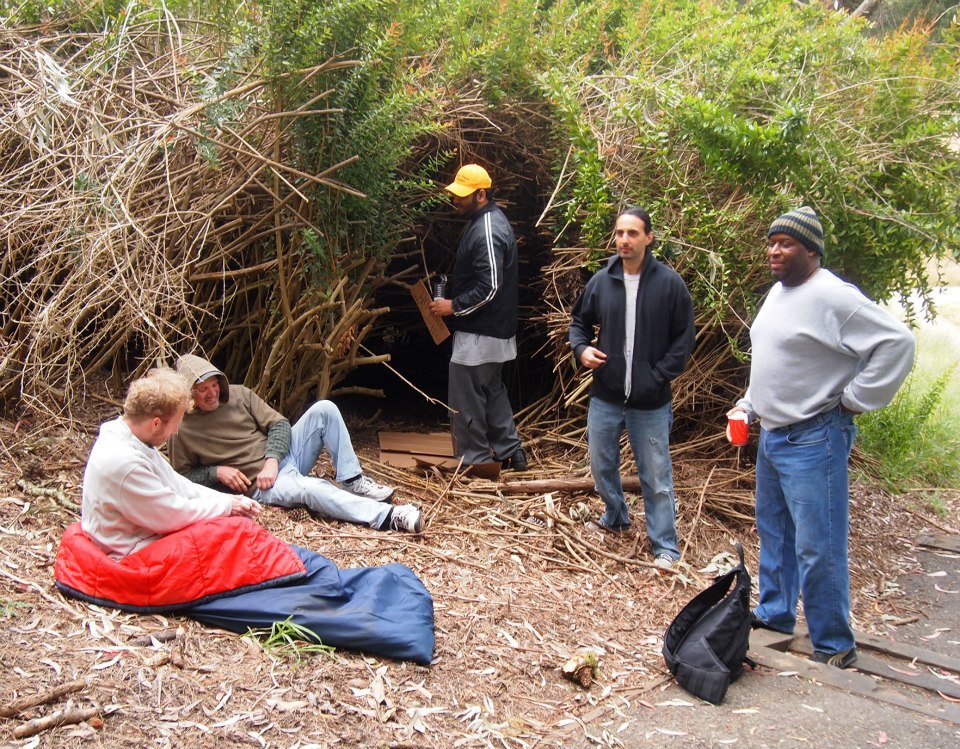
{"x": 706, "y": 645}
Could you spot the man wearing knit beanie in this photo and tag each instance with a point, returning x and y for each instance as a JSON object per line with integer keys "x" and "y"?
{"x": 822, "y": 352}
{"x": 803, "y": 225}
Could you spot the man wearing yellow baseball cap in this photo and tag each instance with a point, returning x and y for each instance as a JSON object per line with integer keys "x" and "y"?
{"x": 469, "y": 179}
{"x": 482, "y": 312}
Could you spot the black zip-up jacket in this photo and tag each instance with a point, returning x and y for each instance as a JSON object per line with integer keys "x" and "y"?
{"x": 664, "y": 338}
{"x": 483, "y": 285}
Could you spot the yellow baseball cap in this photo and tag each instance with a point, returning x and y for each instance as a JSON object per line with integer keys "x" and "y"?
{"x": 469, "y": 179}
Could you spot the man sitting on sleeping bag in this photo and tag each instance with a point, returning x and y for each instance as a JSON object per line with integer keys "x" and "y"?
{"x": 131, "y": 494}
{"x": 152, "y": 541}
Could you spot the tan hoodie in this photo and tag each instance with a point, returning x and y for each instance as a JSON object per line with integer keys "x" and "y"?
{"x": 235, "y": 434}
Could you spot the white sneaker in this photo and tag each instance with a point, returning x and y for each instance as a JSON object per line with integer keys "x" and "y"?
{"x": 663, "y": 562}
{"x": 406, "y": 518}
{"x": 364, "y": 486}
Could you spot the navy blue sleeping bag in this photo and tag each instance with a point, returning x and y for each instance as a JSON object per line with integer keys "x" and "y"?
{"x": 384, "y": 611}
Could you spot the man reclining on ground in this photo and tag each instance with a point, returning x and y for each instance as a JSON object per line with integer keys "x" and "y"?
{"x": 150, "y": 540}
{"x": 234, "y": 441}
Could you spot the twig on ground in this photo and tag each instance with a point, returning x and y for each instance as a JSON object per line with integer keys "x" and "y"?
{"x": 24, "y": 703}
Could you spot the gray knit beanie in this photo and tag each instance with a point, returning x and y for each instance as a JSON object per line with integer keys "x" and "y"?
{"x": 803, "y": 225}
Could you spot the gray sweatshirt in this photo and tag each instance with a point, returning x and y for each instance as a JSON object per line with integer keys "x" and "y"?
{"x": 821, "y": 344}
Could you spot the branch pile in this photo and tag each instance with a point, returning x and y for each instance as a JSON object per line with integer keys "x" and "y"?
{"x": 149, "y": 206}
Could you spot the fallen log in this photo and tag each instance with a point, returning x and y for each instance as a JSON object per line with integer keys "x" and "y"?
{"x": 542, "y": 486}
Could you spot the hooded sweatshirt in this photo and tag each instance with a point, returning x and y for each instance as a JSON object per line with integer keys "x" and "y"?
{"x": 242, "y": 432}
{"x": 664, "y": 333}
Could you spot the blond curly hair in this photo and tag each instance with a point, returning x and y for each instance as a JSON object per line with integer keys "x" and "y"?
{"x": 160, "y": 393}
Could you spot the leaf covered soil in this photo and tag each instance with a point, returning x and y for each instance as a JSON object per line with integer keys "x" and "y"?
{"x": 519, "y": 587}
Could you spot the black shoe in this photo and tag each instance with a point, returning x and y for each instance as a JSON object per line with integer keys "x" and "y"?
{"x": 843, "y": 659}
{"x": 757, "y": 623}
{"x": 517, "y": 461}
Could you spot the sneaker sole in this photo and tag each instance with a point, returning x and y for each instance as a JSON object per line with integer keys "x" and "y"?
{"x": 593, "y": 525}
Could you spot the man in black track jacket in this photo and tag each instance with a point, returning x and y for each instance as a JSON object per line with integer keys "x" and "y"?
{"x": 482, "y": 312}
{"x": 645, "y": 315}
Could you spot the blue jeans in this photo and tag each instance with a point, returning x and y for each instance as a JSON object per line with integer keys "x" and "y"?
{"x": 803, "y": 519}
{"x": 321, "y": 427}
{"x": 649, "y": 435}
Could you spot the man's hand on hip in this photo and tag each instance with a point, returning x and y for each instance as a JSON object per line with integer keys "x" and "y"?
{"x": 233, "y": 478}
{"x": 268, "y": 474}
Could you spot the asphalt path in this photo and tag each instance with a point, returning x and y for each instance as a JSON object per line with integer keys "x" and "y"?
{"x": 771, "y": 708}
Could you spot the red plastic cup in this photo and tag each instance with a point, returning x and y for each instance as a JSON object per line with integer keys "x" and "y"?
{"x": 738, "y": 432}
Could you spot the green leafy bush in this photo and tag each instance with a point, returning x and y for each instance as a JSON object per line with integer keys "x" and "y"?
{"x": 741, "y": 111}
{"x": 913, "y": 442}
{"x": 377, "y": 111}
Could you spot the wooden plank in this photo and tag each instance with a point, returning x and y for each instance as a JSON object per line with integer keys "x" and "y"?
{"x": 437, "y": 327}
{"x": 899, "y": 671}
{"x": 435, "y": 461}
{"x": 432, "y": 443}
{"x": 903, "y": 673}
{"x": 835, "y": 677}
{"x": 851, "y": 681}
{"x": 943, "y": 541}
{"x": 767, "y": 638}
{"x": 899, "y": 650}
{"x": 434, "y": 449}
{"x": 483, "y": 470}
{"x": 407, "y": 460}
{"x": 909, "y": 652}
{"x": 398, "y": 460}
{"x": 447, "y": 465}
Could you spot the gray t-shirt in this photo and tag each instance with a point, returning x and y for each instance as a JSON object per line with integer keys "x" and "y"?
{"x": 473, "y": 349}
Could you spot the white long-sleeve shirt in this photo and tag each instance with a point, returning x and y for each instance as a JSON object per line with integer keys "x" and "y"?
{"x": 821, "y": 344}
{"x": 132, "y": 496}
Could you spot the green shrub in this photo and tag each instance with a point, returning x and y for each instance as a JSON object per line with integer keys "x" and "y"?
{"x": 913, "y": 440}
{"x": 741, "y": 111}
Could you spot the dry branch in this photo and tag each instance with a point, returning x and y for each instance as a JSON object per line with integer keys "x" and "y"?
{"x": 142, "y": 216}
{"x": 18, "y": 706}
{"x": 64, "y": 718}
{"x": 570, "y": 485}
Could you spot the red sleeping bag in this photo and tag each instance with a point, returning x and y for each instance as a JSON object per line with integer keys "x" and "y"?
{"x": 203, "y": 562}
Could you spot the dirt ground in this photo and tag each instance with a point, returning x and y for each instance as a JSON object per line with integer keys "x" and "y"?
{"x": 518, "y": 588}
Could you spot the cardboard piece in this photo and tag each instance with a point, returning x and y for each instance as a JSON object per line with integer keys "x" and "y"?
{"x": 409, "y": 449}
{"x": 437, "y": 327}
{"x": 432, "y": 450}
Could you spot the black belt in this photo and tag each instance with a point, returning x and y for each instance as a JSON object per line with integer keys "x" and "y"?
{"x": 812, "y": 421}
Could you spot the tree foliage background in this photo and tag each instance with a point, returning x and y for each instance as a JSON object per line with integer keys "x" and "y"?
{"x": 717, "y": 116}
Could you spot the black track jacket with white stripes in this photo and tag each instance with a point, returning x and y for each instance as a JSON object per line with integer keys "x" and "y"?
{"x": 484, "y": 281}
